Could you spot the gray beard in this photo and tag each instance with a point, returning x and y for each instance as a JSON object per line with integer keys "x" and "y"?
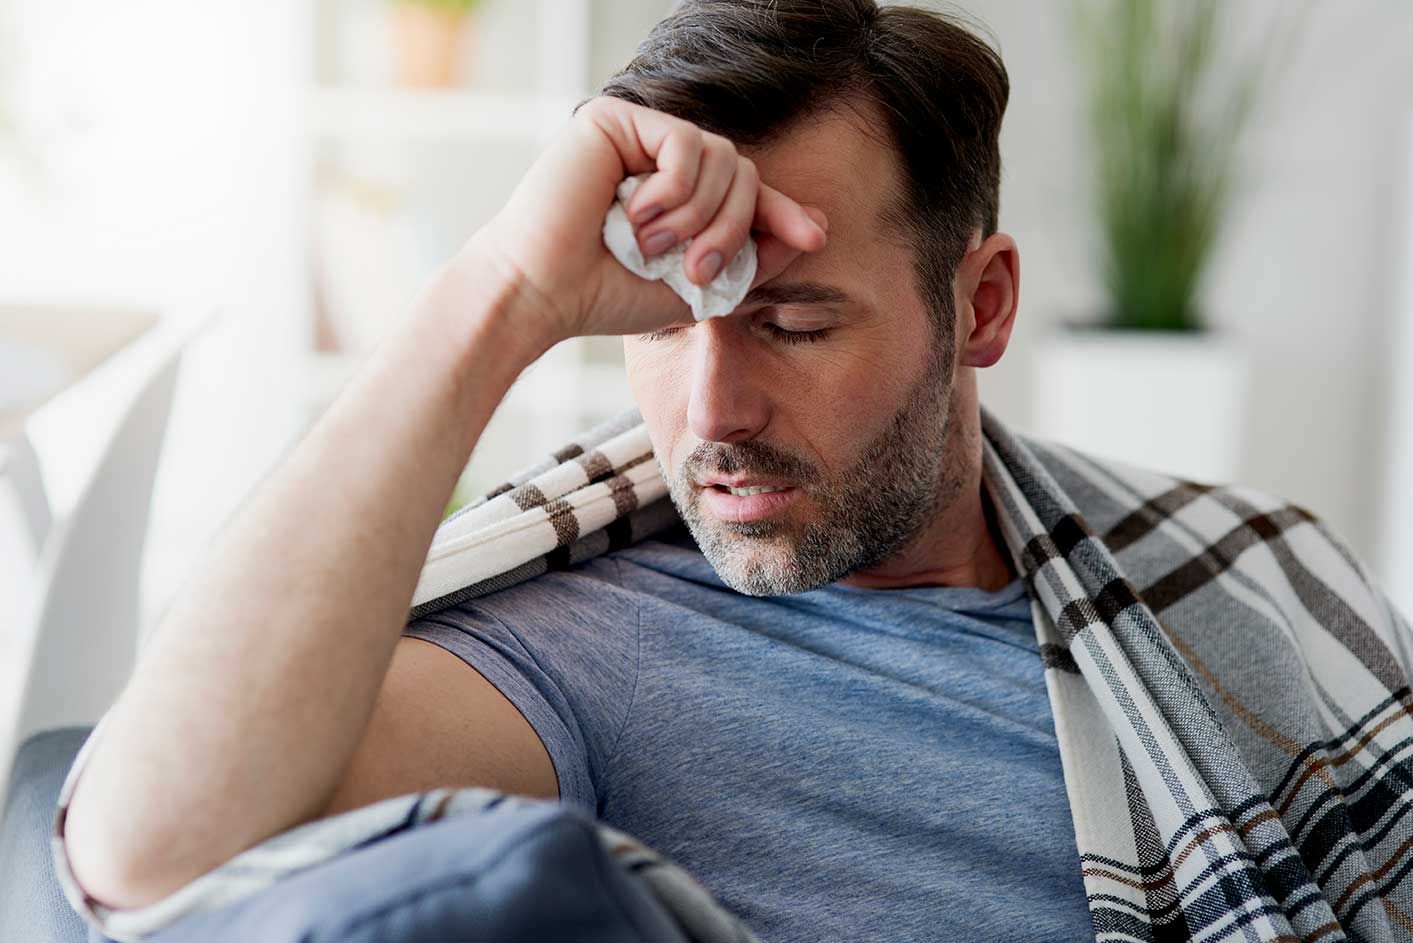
{"x": 870, "y": 512}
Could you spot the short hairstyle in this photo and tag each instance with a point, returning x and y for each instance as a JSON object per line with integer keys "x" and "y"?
{"x": 747, "y": 69}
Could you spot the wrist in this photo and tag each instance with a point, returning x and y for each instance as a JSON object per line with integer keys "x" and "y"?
{"x": 477, "y": 302}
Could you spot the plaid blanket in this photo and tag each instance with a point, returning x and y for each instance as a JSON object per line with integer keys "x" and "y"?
{"x": 1230, "y": 692}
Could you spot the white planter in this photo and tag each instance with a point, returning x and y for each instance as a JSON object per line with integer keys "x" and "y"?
{"x": 1173, "y": 402}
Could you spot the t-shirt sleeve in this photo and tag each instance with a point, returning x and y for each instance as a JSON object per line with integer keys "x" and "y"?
{"x": 563, "y": 648}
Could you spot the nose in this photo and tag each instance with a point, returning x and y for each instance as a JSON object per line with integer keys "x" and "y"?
{"x": 727, "y": 404}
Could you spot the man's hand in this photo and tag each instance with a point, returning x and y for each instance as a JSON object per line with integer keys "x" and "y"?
{"x": 548, "y": 239}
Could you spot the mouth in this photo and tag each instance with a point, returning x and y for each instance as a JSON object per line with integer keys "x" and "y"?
{"x": 740, "y": 503}
{"x": 747, "y": 490}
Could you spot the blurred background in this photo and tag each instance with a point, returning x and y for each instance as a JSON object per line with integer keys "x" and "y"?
{"x": 277, "y": 180}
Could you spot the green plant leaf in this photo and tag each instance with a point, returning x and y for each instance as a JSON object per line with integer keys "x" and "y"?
{"x": 1167, "y": 116}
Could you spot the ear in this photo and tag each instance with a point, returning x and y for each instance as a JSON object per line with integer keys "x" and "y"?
{"x": 988, "y": 292}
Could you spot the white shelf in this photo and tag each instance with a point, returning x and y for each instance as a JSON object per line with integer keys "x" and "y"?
{"x": 454, "y": 113}
{"x": 419, "y": 140}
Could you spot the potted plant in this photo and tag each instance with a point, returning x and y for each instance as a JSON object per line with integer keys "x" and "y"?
{"x": 428, "y": 37}
{"x": 1152, "y": 383}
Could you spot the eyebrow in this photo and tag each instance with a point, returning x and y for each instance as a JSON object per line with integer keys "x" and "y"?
{"x": 806, "y": 293}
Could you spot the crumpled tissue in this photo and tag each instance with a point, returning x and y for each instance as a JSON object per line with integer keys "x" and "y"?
{"x": 718, "y": 297}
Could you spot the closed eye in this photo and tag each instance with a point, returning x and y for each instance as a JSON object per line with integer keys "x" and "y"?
{"x": 776, "y": 331}
{"x": 796, "y": 337}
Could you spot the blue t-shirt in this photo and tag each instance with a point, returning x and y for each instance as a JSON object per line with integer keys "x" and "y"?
{"x": 841, "y": 764}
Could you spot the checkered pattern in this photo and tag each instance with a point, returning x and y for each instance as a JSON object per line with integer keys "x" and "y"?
{"x": 600, "y": 492}
{"x": 1230, "y": 692}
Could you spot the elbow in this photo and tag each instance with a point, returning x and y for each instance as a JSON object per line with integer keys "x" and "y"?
{"x": 109, "y": 874}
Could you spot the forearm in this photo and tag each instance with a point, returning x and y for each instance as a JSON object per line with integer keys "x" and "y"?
{"x": 253, "y": 692}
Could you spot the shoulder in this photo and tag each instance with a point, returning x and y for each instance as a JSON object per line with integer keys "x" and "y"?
{"x": 605, "y": 588}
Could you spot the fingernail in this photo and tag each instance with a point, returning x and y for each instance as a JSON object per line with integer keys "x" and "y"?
{"x": 710, "y": 265}
{"x": 659, "y": 242}
{"x": 647, "y": 215}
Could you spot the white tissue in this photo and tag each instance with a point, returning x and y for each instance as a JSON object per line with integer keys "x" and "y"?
{"x": 718, "y": 297}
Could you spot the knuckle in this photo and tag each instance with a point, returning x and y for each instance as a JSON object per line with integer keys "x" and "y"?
{"x": 732, "y": 235}
{"x": 596, "y": 106}
{"x": 673, "y": 188}
{"x": 746, "y": 169}
{"x": 694, "y": 216}
{"x": 719, "y": 144}
{"x": 690, "y": 135}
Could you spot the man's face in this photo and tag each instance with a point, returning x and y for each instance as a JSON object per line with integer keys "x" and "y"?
{"x": 850, "y": 422}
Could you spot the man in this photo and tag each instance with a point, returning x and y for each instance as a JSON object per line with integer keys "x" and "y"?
{"x": 826, "y": 695}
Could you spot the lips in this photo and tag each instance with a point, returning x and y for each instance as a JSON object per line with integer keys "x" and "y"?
{"x": 742, "y": 481}
{"x": 747, "y": 507}
{"x": 746, "y": 490}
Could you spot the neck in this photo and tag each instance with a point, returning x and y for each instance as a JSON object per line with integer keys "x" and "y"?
{"x": 962, "y": 546}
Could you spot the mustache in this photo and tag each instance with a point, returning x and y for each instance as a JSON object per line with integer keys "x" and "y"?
{"x": 749, "y": 456}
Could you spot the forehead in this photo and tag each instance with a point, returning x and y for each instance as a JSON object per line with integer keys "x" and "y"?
{"x": 840, "y": 160}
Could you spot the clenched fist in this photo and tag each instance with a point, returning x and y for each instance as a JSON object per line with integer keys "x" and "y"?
{"x": 548, "y": 241}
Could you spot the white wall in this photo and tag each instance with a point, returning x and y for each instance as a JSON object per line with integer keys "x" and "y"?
{"x": 1308, "y": 271}
{"x": 1396, "y": 520}
{"x": 166, "y": 136}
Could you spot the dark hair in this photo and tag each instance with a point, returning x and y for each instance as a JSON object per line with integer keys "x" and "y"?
{"x": 747, "y": 69}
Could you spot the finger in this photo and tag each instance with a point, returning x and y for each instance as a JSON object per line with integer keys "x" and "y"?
{"x": 788, "y": 221}
{"x": 677, "y": 176}
{"x": 719, "y": 166}
{"x": 772, "y": 257}
{"x": 638, "y": 134}
{"x": 816, "y": 214}
{"x": 718, "y": 243}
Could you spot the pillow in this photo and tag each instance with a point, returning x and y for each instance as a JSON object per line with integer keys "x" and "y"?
{"x": 532, "y": 870}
